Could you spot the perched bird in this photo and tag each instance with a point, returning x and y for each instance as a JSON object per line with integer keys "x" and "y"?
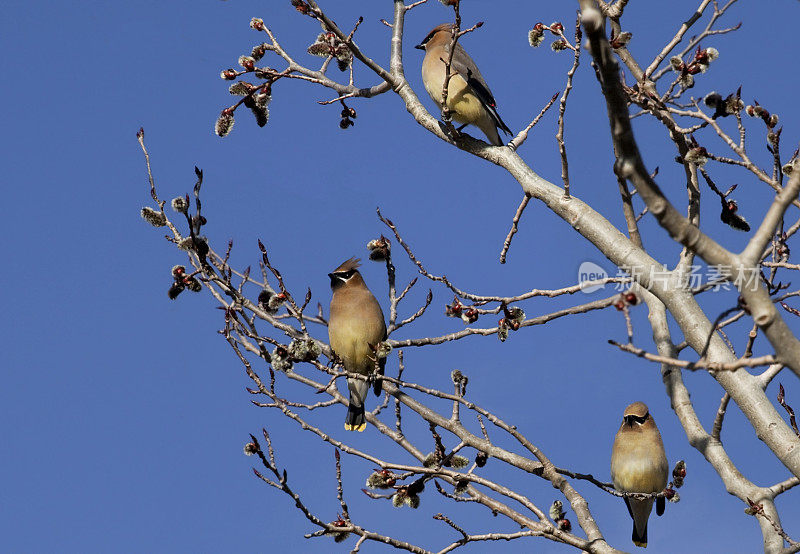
{"x": 468, "y": 96}
{"x": 355, "y": 328}
{"x": 639, "y": 464}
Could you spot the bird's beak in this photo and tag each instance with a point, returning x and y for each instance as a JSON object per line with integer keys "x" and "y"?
{"x": 629, "y": 420}
{"x": 420, "y": 47}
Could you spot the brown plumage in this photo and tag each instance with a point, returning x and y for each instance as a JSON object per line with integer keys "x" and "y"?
{"x": 639, "y": 464}
{"x": 355, "y": 327}
{"x": 468, "y": 96}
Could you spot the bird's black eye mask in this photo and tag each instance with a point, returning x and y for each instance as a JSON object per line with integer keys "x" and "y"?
{"x": 340, "y": 277}
{"x": 640, "y": 420}
{"x": 421, "y": 45}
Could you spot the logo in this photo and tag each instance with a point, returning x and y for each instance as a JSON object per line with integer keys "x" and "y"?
{"x": 588, "y": 272}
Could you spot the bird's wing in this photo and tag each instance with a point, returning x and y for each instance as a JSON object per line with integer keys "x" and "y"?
{"x": 464, "y": 66}
{"x": 628, "y": 505}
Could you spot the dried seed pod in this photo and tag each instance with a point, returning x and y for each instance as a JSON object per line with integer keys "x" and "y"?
{"x": 178, "y": 271}
{"x": 193, "y": 285}
{"x": 470, "y": 315}
{"x": 730, "y": 217}
{"x": 458, "y": 462}
{"x": 175, "y": 290}
{"x": 382, "y": 479}
{"x": 536, "y": 35}
{"x": 622, "y": 40}
{"x": 556, "y": 511}
{"x": 224, "y": 122}
{"x": 380, "y": 248}
{"x": 153, "y": 217}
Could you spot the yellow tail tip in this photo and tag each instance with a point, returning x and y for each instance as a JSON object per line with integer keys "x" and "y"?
{"x": 359, "y": 428}
{"x": 641, "y": 544}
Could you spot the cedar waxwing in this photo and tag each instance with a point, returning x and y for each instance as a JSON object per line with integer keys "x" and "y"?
{"x": 639, "y": 464}
{"x": 355, "y": 328}
{"x": 468, "y": 95}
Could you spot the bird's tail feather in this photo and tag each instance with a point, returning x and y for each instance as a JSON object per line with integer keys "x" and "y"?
{"x": 640, "y": 512}
{"x": 356, "y": 420}
{"x": 500, "y": 123}
{"x": 640, "y": 539}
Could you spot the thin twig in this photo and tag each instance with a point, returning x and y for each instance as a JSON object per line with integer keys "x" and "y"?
{"x": 514, "y": 227}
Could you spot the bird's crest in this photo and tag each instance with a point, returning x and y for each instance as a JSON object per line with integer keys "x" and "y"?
{"x": 443, "y": 27}
{"x": 348, "y": 265}
{"x": 637, "y": 409}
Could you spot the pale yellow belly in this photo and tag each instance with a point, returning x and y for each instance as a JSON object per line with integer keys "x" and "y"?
{"x": 639, "y": 476}
{"x": 464, "y": 105}
{"x": 351, "y": 341}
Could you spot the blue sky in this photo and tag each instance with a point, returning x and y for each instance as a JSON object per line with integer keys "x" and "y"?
{"x": 124, "y": 413}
